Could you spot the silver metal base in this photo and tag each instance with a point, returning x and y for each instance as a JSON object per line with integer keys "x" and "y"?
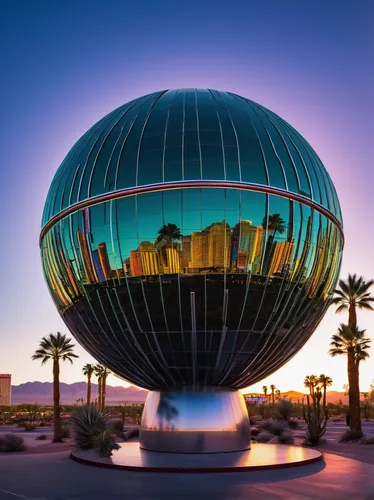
{"x": 209, "y": 420}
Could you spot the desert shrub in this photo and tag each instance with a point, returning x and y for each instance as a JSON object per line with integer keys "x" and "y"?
{"x": 117, "y": 428}
{"x": 293, "y": 424}
{"x": 308, "y": 442}
{"x": 105, "y": 442}
{"x": 256, "y": 418}
{"x": 255, "y": 431}
{"x": 264, "y": 411}
{"x": 41, "y": 437}
{"x": 29, "y": 426}
{"x": 349, "y": 435}
{"x": 275, "y": 427}
{"x": 131, "y": 434}
{"x": 286, "y": 438}
{"x": 264, "y": 437}
{"x": 88, "y": 423}
{"x": 11, "y": 442}
{"x": 367, "y": 440}
{"x": 283, "y": 409}
{"x": 65, "y": 431}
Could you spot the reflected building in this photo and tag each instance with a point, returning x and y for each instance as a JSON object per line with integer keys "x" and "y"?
{"x": 186, "y": 254}
{"x": 149, "y": 258}
{"x": 104, "y": 261}
{"x": 219, "y": 245}
{"x": 86, "y": 265}
{"x": 136, "y": 263}
{"x": 282, "y": 257}
{"x": 200, "y": 250}
{"x": 223, "y": 227}
{"x": 247, "y": 245}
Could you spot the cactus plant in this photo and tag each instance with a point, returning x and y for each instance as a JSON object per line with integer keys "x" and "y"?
{"x": 315, "y": 416}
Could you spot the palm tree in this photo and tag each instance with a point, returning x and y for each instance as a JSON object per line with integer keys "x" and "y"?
{"x": 275, "y": 223}
{"x": 353, "y": 294}
{"x": 326, "y": 381}
{"x": 272, "y": 388}
{"x": 278, "y": 393}
{"x": 88, "y": 371}
{"x": 351, "y": 341}
{"x": 311, "y": 382}
{"x": 102, "y": 373}
{"x": 55, "y": 347}
{"x": 265, "y": 389}
{"x": 98, "y": 370}
{"x": 105, "y": 374}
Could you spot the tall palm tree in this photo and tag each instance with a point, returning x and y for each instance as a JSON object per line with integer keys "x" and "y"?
{"x": 98, "y": 370}
{"x": 265, "y": 389}
{"x": 272, "y": 388}
{"x": 352, "y": 294}
{"x": 88, "y": 371}
{"x": 55, "y": 347}
{"x": 311, "y": 382}
{"x": 351, "y": 341}
{"x": 105, "y": 374}
{"x": 326, "y": 381}
{"x": 102, "y": 373}
{"x": 278, "y": 393}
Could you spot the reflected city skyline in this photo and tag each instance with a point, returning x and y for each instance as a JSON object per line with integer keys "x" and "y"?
{"x": 162, "y": 283}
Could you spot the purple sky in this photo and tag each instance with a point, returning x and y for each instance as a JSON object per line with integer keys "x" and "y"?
{"x": 66, "y": 64}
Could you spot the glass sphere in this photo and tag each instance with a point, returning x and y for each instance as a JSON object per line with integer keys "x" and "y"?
{"x": 192, "y": 237}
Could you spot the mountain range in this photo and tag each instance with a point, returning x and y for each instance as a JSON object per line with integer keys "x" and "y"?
{"x": 41, "y": 392}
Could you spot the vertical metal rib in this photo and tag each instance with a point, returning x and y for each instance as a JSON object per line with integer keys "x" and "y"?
{"x": 193, "y": 339}
{"x": 198, "y": 135}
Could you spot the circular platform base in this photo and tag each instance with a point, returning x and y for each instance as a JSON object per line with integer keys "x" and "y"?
{"x": 259, "y": 457}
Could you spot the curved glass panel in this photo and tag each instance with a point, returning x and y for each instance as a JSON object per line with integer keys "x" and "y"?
{"x": 189, "y": 134}
{"x": 193, "y": 286}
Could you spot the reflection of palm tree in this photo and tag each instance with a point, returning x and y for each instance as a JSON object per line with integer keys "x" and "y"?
{"x": 170, "y": 232}
{"x": 165, "y": 408}
{"x": 274, "y": 223}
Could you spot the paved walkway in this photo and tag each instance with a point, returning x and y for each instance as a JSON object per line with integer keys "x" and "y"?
{"x": 56, "y": 477}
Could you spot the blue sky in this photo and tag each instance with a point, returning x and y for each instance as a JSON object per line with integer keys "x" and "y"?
{"x": 66, "y": 64}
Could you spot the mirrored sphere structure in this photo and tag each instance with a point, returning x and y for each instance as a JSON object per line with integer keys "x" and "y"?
{"x": 192, "y": 238}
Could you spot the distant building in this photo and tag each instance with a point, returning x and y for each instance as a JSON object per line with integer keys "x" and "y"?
{"x": 5, "y": 390}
